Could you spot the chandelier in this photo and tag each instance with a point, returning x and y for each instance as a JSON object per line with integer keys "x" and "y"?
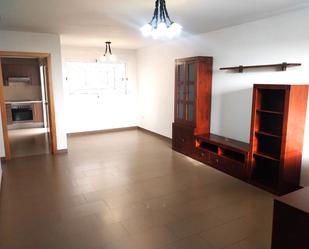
{"x": 108, "y": 55}
{"x": 161, "y": 25}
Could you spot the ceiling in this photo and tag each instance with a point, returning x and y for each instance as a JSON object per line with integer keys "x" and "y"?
{"x": 92, "y": 22}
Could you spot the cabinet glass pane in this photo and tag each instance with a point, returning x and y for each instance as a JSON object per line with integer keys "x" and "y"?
{"x": 181, "y": 92}
{"x": 191, "y": 92}
{"x": 191, "y": 72}
{"x": 181, "y": 110}
{"x": 181, "y": 74}
{"x": 190, "y": 112}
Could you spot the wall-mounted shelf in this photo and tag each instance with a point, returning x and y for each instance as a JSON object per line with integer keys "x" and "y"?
{"x": 282, "y": 66}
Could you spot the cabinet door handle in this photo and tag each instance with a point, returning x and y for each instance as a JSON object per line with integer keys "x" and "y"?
{"x": 217, "y": 161}
{"x": 182, "y": 140}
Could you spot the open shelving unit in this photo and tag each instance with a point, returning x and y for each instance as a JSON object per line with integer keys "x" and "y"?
{"x": 278, "y": 119}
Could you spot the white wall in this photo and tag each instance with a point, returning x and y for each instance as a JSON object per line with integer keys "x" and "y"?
{"x": 47, "y": 43}
{"x": 283, "y": 38}
{"x": 101, "y": 114}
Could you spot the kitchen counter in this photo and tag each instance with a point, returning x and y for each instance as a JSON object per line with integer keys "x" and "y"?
{"x": 23, "y": 102}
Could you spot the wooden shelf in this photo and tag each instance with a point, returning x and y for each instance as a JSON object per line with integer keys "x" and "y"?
{"x": 267, "y": 156}
{"x": 225, "y": 142}
{"x": 269, "y": 112}
{"x": 224, "y": 147}
{"x": 267, "y": 134}
{"x": 282, "y": 66}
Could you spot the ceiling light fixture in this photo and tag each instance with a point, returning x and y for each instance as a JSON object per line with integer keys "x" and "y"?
{"x": 161, "y": 24}
{"x": 108, "y": 55}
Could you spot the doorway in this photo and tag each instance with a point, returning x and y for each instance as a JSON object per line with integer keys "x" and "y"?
{"x": 26, "y": 100}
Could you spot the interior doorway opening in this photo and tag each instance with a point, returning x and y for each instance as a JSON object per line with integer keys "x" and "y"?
{"x": 26, "y": 100}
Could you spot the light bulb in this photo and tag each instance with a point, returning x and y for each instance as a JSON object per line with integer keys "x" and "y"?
{"x": 146, "y": 30}
{"x": 155, "y": 34}
{"x": 162, "y": 29}
{"x": 174, "y": 30}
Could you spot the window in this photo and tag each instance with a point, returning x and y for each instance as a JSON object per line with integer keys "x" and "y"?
{"x": 97, "y": 79}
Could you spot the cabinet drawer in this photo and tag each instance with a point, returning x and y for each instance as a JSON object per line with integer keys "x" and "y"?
{"x": 214, "y": 160}
{"x": 232, "y": 167}
{"x": 202, "y": 156}
{"x": 183, "y": 139}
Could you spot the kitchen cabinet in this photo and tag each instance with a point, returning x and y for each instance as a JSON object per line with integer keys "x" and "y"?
{"x": 37, "y": 112}
{"x": 9, "y": 117}
{"x": 21, "y": 68}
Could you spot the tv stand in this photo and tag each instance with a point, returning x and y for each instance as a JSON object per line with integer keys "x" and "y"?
{"x": 225, "y": 154}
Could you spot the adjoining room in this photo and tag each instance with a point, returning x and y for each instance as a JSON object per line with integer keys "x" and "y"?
{"x": 26, "y": 106}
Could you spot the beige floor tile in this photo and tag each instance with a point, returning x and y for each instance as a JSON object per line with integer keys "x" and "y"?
{"x": 227, "y": 234}
{"x": 129, "y": 191}
{"x": 195, "y": 224}
{"x": 192, "y": 242}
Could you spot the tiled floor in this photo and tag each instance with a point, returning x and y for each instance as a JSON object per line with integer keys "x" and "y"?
{"x": 128, "y": 190}
{"x": 28, "y": 142}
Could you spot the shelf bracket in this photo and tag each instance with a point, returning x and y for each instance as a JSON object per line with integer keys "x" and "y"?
{"x": 284, "y": 66}
{"x": 241, "y": 69}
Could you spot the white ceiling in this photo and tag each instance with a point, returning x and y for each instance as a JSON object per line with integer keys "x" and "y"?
{"x": 92, "y": 22}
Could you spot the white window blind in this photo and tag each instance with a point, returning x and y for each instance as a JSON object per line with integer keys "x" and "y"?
{"x": 97, "y": 79}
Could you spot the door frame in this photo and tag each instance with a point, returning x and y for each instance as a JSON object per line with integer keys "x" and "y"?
{"x": 51, "y": 103}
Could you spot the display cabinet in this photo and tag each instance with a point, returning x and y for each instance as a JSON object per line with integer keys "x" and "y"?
{"x": 193, "y": 81}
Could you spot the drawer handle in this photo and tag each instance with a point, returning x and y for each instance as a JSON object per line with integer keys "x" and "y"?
{"x": 202, "y": 154}
{"x": 183, "y": 140}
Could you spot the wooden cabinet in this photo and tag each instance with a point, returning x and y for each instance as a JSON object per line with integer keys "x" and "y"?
{"x": 21, "y": 68}
{"x": 183, "y": 139}
{"x": 193, "y": 83}
{"x": 37, "y": 111}
{"x": 9, "y": 116}
{"x": 277, "y": 134}
{"x": 191, "y": 129}
{"x": 291, "y": 221}
{"x": 186, "y": 75}
{"x": 227, "y": 155}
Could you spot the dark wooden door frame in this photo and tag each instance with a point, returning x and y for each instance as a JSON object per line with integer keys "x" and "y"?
{"x": 51, "y": 103}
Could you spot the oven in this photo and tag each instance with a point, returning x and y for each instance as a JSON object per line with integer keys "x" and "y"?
{"x": 22, "y": 113}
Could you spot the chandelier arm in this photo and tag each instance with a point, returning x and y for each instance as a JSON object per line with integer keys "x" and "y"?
{"x": 166, "y": 13}
{"x": 105, "y": 49}
{"x": 161, "y": 11}
{"x": 109, "y": 49}
{"x": 155, "y": 14}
